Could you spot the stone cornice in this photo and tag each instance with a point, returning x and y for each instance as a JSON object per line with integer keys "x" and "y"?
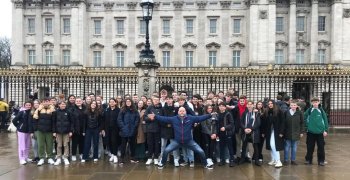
{"x": 213, "y": 44}
{"x": 96, "y": 44}
{"x": 108, "y": 5}
{"x": 139, "y": 45}
{"x": 178, "y": 4}
{"x": 189, "y": 44}
{"x": 119, "y": 44}
{"x": 282, "y": 43}
{"x": 272, "y": 1}
{"x": 165, "y": 44}
{"x": 47, "y": 44}
{"x": 131, "y": 5}
{"x": 237, "y": 44}
{"x": 225, "y": 4}
{"x": 201, "y": 4}
{"x": 324, "y": 42}
{"x": 346, "y": 13}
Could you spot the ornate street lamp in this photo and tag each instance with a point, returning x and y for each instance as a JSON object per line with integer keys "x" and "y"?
{"x": 147, "y": 64}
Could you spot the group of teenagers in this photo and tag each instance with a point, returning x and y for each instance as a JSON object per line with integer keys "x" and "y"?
{"x": 217, "y": 129}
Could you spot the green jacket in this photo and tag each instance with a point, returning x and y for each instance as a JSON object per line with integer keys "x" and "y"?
{"x": 316, "y": 121}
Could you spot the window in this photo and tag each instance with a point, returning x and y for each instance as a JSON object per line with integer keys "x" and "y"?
{"x": 98, "y": 27}
{"x": 279, "y": 56}
{"x": 142, "y": 27}
{"x": 237, "y": 26}
{"x": 300, "y": 56}
{"x": 279, "y": 24}
{"x": 189, "y": 26}
{"x": 120, "y": 26}
{"x": 66, "y": 57}
{"x": 31, "y": 56}
{"x": 212, "y": 58}
{"x": 236, "y": 58}
{"x": 97, "y": 58}
{"x": 166, "y": 26}
{"x": 322, "y": 56}
{"x": 31, "y": 25}
{"x": 49, "y": 56}
{"x": 120, "y": 58}
{"x": 166, "y": 58}
{"x": 189, "y": 58}
{"x": 66, "y": 26}
{"x": 301, "y": 23}
{"x": 321, "y": 23}
{"x": 212, "y": 26}
{"x": 48, "y": 25}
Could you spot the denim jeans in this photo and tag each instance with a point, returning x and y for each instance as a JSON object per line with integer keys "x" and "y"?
{"x": 293, "y": 145}
{"x": 275, "y": 155}
{"x": 163, "y": 146}
{"x": 91, "y": 134}
{"x": 191, "y": 145}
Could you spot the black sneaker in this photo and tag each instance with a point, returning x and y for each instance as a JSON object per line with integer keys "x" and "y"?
{"x": 221, "y": 163}
{"x": 321, "y": 163}
{"x": 160, "y": 166}
{"x": 308, "y": 163}
{"x": 257, "y": 163}
{"x": 293, "y": 163}
{"x": 209, "y": 167}
{"x": 232, "y": 163}
{"x": 285, "y": 163}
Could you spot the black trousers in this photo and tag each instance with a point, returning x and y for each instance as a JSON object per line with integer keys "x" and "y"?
{"x": 153, "y": 143}
{"x": 209, "y": 146}
{"x": 260, "y": 147}
{"x": 113, "y": 140}
{"x": 3, "y": 116}
{"x": 132, "y": 143}
{"x": 245, "y": 140}
{"x": 311, "y": 139}
{"x": 77, "y": 143}
{"x": 225, "y": 141}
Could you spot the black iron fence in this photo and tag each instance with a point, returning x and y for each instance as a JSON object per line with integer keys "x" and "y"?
{"x": 329, "y": 82}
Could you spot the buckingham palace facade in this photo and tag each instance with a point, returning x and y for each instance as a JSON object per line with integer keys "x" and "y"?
{"x": 188, "y": 33}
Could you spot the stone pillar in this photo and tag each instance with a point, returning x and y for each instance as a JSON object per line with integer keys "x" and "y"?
{"x": 253, "y": 31}
{"x": 108, "y": 35}
{"x": 271, "y": 41}
{"x": 75, "y": 35}
{"x": 292, "y": 32}
{"x": 17, "y": 34}
{"x": 147, "y": 77}
{"x": 346, "y": 37}
{"x": 83, "y": 30}
{"x": 314, "y": 32}
{"x": 57, "y": 26}
{"x": 337, "y": 32}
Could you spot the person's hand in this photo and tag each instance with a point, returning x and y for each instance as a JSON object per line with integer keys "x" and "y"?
{"x": 262, "y": 135}
{"x": 103, "y": 133}
{"x": 70, "y": 134}
{"x": 214, "y": 113}
{"x": 255, "y": 110}
{"x": 32, "y": 135}
{"x": 325, "y": 134}
{"x": 195, "y": 124}
{"x": 143, "y": 122}
{"x": 247, "y": 130}
{"x": 222, "y": 129}
{"x": 281, "y": 135}
{"x": 301, "y": 135}
{"x": 151, "y": 116}
{"x": 54, "y": 134}
{"x": 83, "y": 134}
{"x": 213, "y": 136}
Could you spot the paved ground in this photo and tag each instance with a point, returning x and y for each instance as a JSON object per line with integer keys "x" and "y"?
{"x": 337, "y": 155}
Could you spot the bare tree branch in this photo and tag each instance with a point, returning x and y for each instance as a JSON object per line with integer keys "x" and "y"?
{"x": 5, "y": 52}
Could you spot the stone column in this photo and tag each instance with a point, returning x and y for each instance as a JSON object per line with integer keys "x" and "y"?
{"x": 108, "y": 35}
{"x": 292, "y": 32}
{"x": 83, "y": 35}
{"x": 253, "y": 31}
{"x": 17, "y": 34}
{"x": 147, "y": 78}
{"x": 337, "y": 32}
{"x": 57, "y": 26}
{"x": 271, "y": 41}
{"x": 75, "y": 34}
{"x": 346, "y": 37}
{"x": 314, "y": 32}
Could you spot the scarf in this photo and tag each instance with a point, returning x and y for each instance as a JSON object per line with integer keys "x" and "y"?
{"x": 242, "y": 108}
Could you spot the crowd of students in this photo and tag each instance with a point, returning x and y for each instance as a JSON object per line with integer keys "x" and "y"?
{"x": 216, "y": 129}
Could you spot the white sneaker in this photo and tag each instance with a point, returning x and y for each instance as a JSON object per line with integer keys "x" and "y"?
{"x": 66, "y": 162}
{"x": 22, "y": 162}
{"x": 58, "y": 162}
{"x": 119, "y": 153}
{"x": 29, "y": 160}
{"x": 209, "y": 162}
{"x": 156, "y": 162}
{"x": 81, "y": 156}
{"x": 115, "y": 159}
{"x": 227, "y": 161}
{"x": 278, "y": 164}
{"x": 272, "y": 163}
{"x": 149, "y": 161}
{"x": 218, "y": 160}
{"x": 41, "y": 162}
{"x": 83, "y": 160}
{"x": 50, "y": 161}
{"x": 95, "y": 160}
{"x": 74, "y": 158}
{"x": 111, "y": 158}
{"x": 176, "y": 163}
{"x": 248, "y": 155}
{"x": 191, "y": 164}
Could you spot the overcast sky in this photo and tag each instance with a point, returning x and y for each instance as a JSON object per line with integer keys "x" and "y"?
{"x": 5, "y": 18}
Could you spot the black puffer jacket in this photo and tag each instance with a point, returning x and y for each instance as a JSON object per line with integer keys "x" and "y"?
{"x": 166, "y": 130}
{"x": 111, "y": 118}
{"x": 225, "y": 120}
{"x": 78, "y": 117}
{"x": 153, "y": 126}
{"x": 43, "y": 119}
{"x": 92, "y": 121}
{"x": 23, "y": 121}
{"x": 63, "y": 122}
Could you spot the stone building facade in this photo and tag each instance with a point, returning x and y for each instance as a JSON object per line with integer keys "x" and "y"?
{"x": 187, "y": 33}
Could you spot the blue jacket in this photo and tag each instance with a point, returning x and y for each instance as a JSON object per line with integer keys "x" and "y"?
{"x": 127, "y": 122}
{"x": 182, "y": 127}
